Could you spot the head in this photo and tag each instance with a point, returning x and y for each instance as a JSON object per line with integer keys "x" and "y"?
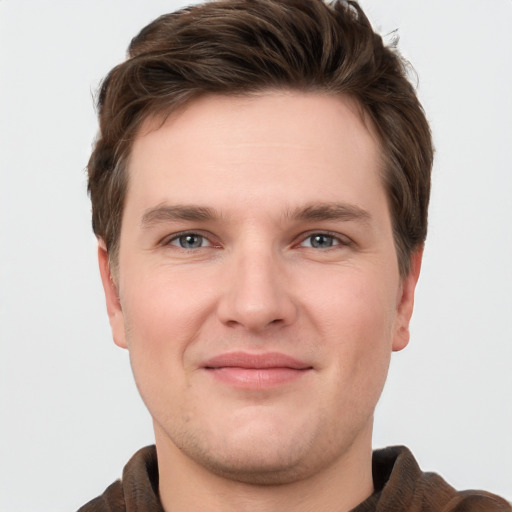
{"x": 237, "y": 47}
{"x": 260, "y": 187}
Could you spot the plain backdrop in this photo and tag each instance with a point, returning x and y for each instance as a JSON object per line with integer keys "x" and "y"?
{"x": 70, "y": 416}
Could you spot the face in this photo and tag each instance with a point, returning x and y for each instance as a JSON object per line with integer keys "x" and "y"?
{"x": 258, "y": 290}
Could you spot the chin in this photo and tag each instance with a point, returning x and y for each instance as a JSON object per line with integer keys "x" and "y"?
{"x": 262, "y": 455}
{"x": 261, "y": 470}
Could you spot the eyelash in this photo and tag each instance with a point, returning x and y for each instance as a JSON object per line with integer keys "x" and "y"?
{"x": 174, "y": 238}
{"x": 339, "y": 240}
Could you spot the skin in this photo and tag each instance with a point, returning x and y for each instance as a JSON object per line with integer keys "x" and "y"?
{"x": 297, "y": 259}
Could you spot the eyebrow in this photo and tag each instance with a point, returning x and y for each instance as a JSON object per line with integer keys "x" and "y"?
{"x": 309, "y": 213}
{"x": 166, "y": 213}
{"x": 330, "y": 211}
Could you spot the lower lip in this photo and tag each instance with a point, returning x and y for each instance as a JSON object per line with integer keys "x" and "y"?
{"x": 256, "y": 378}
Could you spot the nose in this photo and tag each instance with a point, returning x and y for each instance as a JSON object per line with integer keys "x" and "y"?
{"x": 258, "y": 292}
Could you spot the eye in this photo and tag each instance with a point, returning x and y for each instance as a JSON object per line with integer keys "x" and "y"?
{"x": 190, "y": 241}
{"x": 321, "y": 241}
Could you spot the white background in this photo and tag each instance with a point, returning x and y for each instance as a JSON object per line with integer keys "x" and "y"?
{"x": 70, "y": 415}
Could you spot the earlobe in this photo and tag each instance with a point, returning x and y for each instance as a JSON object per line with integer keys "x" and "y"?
{"x": 114, "y": 309}
{"x": 405, "y": 302}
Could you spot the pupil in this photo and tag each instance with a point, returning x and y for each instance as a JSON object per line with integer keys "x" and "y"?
{"x": 321, "y": 241}
{"x": 190, "y": 241}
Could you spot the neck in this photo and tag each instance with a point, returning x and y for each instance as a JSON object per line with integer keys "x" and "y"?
{"x": 185, "y": 486}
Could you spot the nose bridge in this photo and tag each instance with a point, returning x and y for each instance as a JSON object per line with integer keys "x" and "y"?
{"x": 257, "y": 294}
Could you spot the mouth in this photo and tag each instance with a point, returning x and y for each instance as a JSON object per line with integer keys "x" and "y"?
{"x": 256, "y": 371}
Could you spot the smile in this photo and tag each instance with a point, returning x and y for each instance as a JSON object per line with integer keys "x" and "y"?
{"x": 255, "y": 371}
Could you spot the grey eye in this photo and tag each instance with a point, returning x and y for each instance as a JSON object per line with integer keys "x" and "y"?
{"x": 189, "y": 241}
{"x": 320, "y": 241}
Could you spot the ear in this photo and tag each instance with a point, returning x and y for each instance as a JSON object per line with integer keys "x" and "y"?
{"x": 405, "y": 301}
{"x": 114, "y": 309}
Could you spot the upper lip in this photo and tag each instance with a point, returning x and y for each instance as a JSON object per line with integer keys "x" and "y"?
{"x": 255, "y": 361}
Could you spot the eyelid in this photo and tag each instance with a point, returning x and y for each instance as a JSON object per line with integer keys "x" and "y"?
{"x": 343, "y": 240}
{"x": 166, "y": 241}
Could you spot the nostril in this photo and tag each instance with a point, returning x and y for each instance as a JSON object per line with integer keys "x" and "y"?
{"x": 261, "y": 324}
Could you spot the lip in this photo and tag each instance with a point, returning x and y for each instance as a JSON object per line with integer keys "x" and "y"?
{"x": 255, "y": 371}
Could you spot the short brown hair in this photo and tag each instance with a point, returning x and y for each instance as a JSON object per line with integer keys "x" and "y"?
{"x": 246, "y": 46}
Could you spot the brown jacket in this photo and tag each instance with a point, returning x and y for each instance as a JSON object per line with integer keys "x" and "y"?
{"x": 400, "y": 486}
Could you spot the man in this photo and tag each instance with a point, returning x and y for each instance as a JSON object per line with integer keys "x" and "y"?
{"x": 260, "y": 189}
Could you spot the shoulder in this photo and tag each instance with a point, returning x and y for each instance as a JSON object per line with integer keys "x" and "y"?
{"x": 112, "y": 500}
{"x": 137, "y": 490}
{"x": 477, "y": 501}
{"x": 402, "y": 485}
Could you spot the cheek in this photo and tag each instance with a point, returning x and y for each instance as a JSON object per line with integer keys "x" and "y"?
{"x": 163, "y": 316}
{"x": 355, "y": 305}
{"x": 162, "y": 307}
{"x": 355, "y": 320}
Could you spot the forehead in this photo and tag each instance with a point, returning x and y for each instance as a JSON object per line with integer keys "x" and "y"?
{"x": 274, "y": 147}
